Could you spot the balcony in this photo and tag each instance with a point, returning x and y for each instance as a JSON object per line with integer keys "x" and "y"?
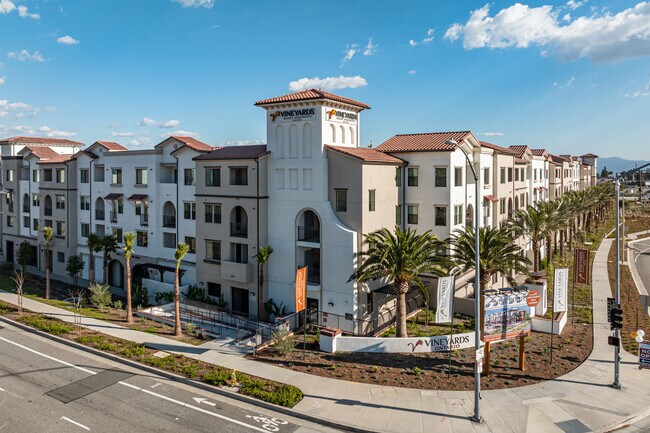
{"x": 144, "y": 219}
{"x": 99, "y": 214}
{"x": 239, "y": 230}
{"x": 309, "y": 234}
{"x": 169, "y": 221}
{"x": 113, "y": 216}
{"x": 239, "y": 272}
{"x": 313, "y": 275}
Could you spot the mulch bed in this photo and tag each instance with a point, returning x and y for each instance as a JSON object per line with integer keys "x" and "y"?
{"x": 431, "y": 371}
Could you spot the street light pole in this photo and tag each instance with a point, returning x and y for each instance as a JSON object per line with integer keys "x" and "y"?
{"x": 617, "y": 291}
{"x": 477, "y": 286}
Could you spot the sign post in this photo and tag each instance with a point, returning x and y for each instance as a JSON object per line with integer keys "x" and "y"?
{"x": 301, "y": 302}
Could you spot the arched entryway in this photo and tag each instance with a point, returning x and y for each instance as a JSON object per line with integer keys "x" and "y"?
{"x": 116, "y": 273}
{"x": 137, "y": 274}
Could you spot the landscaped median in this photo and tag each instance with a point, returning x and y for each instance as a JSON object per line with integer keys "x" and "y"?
{"x": 252, "y": 386}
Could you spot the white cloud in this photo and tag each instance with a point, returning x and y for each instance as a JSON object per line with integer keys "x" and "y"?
{"x": 56, "y": 133}
{"x": 563, "y": 85}
{"x": 573, "y": 4}
{"x": 605, "y": 37}
{"x": 44, "y": 128}
{"x": 641, "y": 93}
{"x": 25, "y": 55}
{"x": 195, "y": 3}
{"x": 23, "y": 12}
{"x": 181, "y": 132}
{"x": 143, "y": 141}
{"x": 240, "y": 142}
{"x": 3, "y": 80}
{"x": 350, "y": 51}
{"x": 6, "y": 6}
{"x": 67, "y": 40}
{"x": 329, "y": 83}
{"x": 170, "y": 124}
{"x": 492, "y": 134}
{"x": 370, "y": 48}
{"x": 121, "y": 134}
{"x": 566, "y": 17}
{"x": 23, "y": 129}
{"x": 21, "y": 110}
{"x": 147, "y": 121}
{"x": 412, "y": 72}
{"x": 425, "y": 41}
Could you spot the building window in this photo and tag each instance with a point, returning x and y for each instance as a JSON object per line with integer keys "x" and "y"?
{"x": 85, "y": 230}
{"x": 212, "y": 176}
{"x": 60, "y": 175}
{"x": 535, "y": 174}
{"x": 60, "y": 228}
{"x": 412, "y": 173}
{"x": 118, "y": 234}
{"x": 214, "y": 290}
{"x": 36, "y": 175}
{"x": 48, "y": 223}
{"x": 502, "y": 206}
{"x": 191, "y": 242}
{"x": 47, "y": 175}
{"x": 398, "y": 176}
{"x": 10, "y": 221}
{"x": 60, "y": 201}
{"x": 412, "y": 214}
{"x": 213, "y": 250}
{"x": 36, "y": 200}
{"x": 99, "y": 173}
{"x": 189, "y": 175}
{"x": 458, "y": 214}
{"x": 169, "y": 240}
{"x": 36, "y": 224}
{"x": 142, "y": 238}
{"x": 341, "y": 200}
{"x": 60, "y": 257}
{"x": 239, "y": 253}
{"x": 509, "y": 174}
{"x": 517, "y": 175}
{"x": 140, "y": 176}
{"x": 120, "y": 205}
{"x": 84, "y": 202}
{"x": 458, "y": 176}
{"x": 502, "y": 174}
{"x": 239, "y": 176}
{"x": 398, "y": 214}
{"x": 440, "y": 177}
{"x": 213, "y": 213}
{"x": 441, "y": 215}
{"x": 10, "y": 175}
{"x": 486, "y": 176}
{"x": 116, "y": 176}
{"x": 371, "y": 200}
{"x": 84, "y": 175}
{"x": 189, "y": 210}
{"x": 26, "y": 222}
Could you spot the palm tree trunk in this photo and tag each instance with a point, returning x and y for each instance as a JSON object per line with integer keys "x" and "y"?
{"x": 178, "y": 331}
{"x": 47, "y": 273}
{"x": 535, "y": 255}
{"x": 260, "y": 294}
{"x": 129, "y": 311}
{"x": 91, "y": 268}
{"x": 400, "y": 318}
{"x": 562, "y": 243}
{"x": 548, "y": 251}
{"x": 105, "y": 270}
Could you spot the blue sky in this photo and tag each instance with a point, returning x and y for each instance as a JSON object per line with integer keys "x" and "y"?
{"x": 569, "y": 77}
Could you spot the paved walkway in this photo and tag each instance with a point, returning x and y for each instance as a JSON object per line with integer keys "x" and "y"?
{"x": 577, "y": 402}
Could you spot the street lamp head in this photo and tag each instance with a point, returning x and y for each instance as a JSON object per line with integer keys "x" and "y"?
{"x": 452, "y": 142}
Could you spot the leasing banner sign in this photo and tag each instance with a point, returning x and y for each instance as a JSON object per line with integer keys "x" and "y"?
{"x": 444, "y": 313}
{"x": 301, "y": 289}
{"x": 560, "y": 290}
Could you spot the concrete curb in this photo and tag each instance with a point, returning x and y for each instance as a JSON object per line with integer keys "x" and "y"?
{"x": 644, "y": 296}
{"x": 627, "y": 423}
{"x": 184, "y": 380}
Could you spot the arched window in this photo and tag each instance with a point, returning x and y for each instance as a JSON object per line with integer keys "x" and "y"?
{"x": 306, "y": 141}
{"x": 169, "y": 215}
{"x": 279, "y": 142}
{"x": 48, "y": 205}
{"x": 293, "y": 141}
{"x": 25, "y": 202}
{"x": 238, "y": 222}
{"x": 99, "y": 209}
{"x": 342, "y": 134}
{"x": 333, "y": 133}
{"x": 352, "y": 136}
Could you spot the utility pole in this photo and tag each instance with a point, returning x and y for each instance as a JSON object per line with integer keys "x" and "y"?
{"x": 617, "y": 292}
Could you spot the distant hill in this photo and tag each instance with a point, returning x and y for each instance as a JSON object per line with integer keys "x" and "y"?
{"x": 616, "y": 164}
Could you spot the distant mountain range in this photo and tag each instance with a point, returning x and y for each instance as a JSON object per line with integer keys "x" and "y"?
{"x": 616, "y": 164}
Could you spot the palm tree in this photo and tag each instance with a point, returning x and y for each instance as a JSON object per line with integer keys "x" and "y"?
{"x": 47, "y": 236}
{"x": 181, "y": 250}
{"x": 129, "y": 239}
{"x": 400, "y": 257}
{"x": 262, "y": 256}
{"x": 94, "y": 244}
{"x": 499, "y": 254}
{"x": 109, "y": 246}
{"x": 532, "y": 222}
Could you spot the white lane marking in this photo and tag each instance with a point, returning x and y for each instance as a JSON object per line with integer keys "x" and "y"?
{"x": 146, "y": 391}
{"x": 200, "y": 400}
{"x": 10, "y": 393}
{"x": 74, "y": 422}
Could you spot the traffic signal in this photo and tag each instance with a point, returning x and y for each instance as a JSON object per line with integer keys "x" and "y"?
{"x": 616, "y": 318}
{"x": 613, "y": 341}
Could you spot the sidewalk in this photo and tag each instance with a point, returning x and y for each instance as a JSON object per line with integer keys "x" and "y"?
{"x": 577, "y": 402}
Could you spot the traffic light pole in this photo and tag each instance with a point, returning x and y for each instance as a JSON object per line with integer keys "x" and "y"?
{"x": 617, "y": 292}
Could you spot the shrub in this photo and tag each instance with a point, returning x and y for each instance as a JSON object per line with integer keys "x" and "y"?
{"x": 133, "y": 350}
{"x": 191, "y": 370}
{"x": 164, "y": 297}
{"x": 117, "y": 304}
{"x": 100, "y": 296}
{"x": 216, "y": 377}
{"x": 285, "y": 342}
{"x": 140, "y": 296}
{"x": 46, "y": 324}
{"x": 283, "y": 395}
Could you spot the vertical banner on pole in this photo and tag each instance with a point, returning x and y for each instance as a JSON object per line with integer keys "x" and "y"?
{"x": 560, "y": 290}
{"x": 301, "y": 289}
{"x": 444, "y": 313}
{"x": 581, "y": 270}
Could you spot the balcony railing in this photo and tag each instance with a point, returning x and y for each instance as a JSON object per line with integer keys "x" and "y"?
{"x": 309, "y": 234}
{"x": 113, "y": 216}
{"x": 169, "y": 221}
{"x": 144, "y": 219}
{"x": 239, "y": 230}
{"x": 313, "y": 275}
{"x": 99, "y": 214}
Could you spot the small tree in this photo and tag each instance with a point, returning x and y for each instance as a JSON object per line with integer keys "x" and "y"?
{"x": 25, "y": 255}
{"x": 109, "y": 246}
{"x": 74, "y": 267}
{"x": 129, "y": 239}
{"x": 47, "y": 236}
{"x": 94, "y": 244}
{"x": 181, "y": 250}
{"x": 19, "y": 280}
{"x": 100, "y": 296}
{"x": 77, "y": 294}
{"x": 262, "y": 257}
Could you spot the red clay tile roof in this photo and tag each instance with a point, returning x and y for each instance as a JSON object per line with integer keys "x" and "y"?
{"x": 42, "y": 140}
{"x": 558, "y": 159}
{"x": 311, "y": 94}
{"x": 538, "y": 152}
{"x": 432, "y": 142}
{"x": 255, "y": 151}
{"x": 56, "y": 160}
{"x": 41, "y": 152}
{"x": 111, "y": 145}
{"x": 520, "y": 149}
{"x": 521, "y": 161}
{"x": 193, "y": 143}
{"x": 498, "y": 148}
{"x": 366, "y": 154}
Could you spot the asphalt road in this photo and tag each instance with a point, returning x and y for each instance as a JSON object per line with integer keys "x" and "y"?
{"x": 642, "y": 258}
{"x": 46, "y": 387}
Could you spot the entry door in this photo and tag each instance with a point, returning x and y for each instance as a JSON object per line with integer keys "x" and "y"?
{"x": 239, "y": 300}
{"x": 10, "y": 251}
{"x": 312, "y": 310}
